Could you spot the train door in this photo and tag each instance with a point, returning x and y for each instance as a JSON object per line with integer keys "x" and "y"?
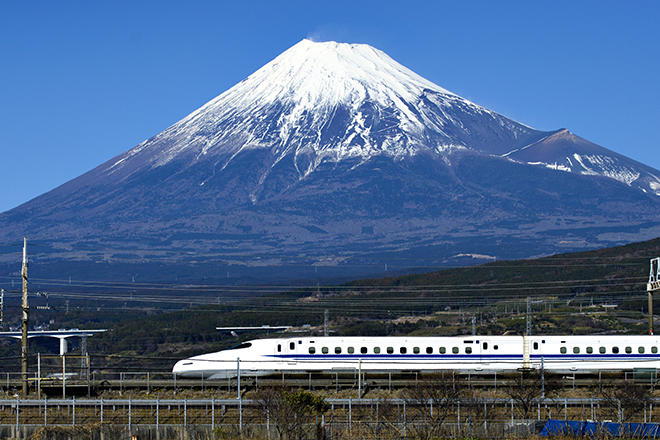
{"x": 483, "y": 348}
{"x": 291, "y": 350}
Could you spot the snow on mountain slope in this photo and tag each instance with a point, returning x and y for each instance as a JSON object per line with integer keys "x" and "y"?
{"x": 565, "y": 151}
{"x": 334, "y": 152}
{"x": 329, "y": 102}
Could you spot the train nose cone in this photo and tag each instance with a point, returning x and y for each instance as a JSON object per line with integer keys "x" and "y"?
{"x": 179, "y": 367}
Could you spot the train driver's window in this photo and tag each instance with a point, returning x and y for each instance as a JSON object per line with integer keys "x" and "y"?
{"x": 351, "y": 350}
{"x": 602, "y": 350}
{"x": 628, "y": 350}
{"x": 468, "y": 350}
{"x": 454, "y": 350}
{"x": 443, "y": 350}
{"x": 312, "y": 350}
{"x": 324, "y": 350}
{"x": 429, "y": 350}
{"x": 390, "y": 350}
{"x": 576, "y": 350}
{"x": 615, "y": 350}
{"x": 292, "y": 345}
{"x": 337, "y": 350}
{"x": 416, "y": 350}
{"x": 363, "y": 350}
{"x": 485, "y": 345}
{"x": 640, "y": 350}
{"x": 590, "y": 350}
{"x": 377, "y": 350}
{"x": 403, "y": 350}
{"x": 654, "y": 349}
{"x": 562, "y": 350}
{"x": 279, "y": 348}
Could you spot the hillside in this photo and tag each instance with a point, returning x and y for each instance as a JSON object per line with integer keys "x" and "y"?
{"x": 567, "y": 292}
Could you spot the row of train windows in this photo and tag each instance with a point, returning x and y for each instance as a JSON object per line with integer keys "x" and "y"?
{"x": 390, "y": 350}
{"x": 603, "y": 350}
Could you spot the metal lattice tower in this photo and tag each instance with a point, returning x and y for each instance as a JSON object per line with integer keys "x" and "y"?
{"x": 653, "y": 286}
{"x": 326, "y": 319}
{"x": 528, "y": 327}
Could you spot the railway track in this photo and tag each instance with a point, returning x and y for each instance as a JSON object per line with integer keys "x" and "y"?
{"x": 338, "y": 381}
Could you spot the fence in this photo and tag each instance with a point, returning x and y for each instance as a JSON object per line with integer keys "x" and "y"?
{"x": 345, "y": 412}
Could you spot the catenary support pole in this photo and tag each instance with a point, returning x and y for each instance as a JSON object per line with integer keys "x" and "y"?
{"x": 25, "y": 320}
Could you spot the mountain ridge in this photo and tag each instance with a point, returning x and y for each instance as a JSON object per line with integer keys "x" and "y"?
{"x": 393, "y": 171}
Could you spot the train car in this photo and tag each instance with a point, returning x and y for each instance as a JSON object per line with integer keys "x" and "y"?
{"x": 476, "y": 353}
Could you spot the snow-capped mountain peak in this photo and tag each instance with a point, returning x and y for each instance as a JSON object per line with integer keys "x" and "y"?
{"x": 332, "y": 101}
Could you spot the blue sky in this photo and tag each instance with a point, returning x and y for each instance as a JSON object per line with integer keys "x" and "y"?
{"x": 81, "y": 82}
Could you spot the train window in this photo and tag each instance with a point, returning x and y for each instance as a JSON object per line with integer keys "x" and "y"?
{"x": 299, "y": 342}
{"x": 654, "y": 349}
{"x": 337, "y": 350}
{"x": 403, "y": 350}
{"x": 292, "y": 345}
{"x": 312, "y": 350}
{"x": 485, "y": 345}
{"x": 615, "y": 350}
{"x": 562, "y": 350}
{"x": 324, "y": 350}
{"x": 443, "y": 350}
{"x": 377, "y": 350}
{"x": 429, "y": 350}
{"x": 536, "y": 345}
{"x": 454, "y": 350}
{"x": 628, "y": 350}
{"x": 279, "y": 347}
{"x": 416, "y": 350}
{"x": 390, "y": 350}
{"x": 468, "y": 350}
{"x": 640, "y": 350}
{"x": 495, "y": 347}
{"x": 363, "y": 350}
{"x": 240, "y": 346}
{"x": 351, "y": 350}
{"x": 576, "y": 350}
{"x": 590, "y": 350}
{"x": 602, "y": 349}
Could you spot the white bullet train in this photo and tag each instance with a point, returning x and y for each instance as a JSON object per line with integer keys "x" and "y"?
{"x": 480, "y": 353}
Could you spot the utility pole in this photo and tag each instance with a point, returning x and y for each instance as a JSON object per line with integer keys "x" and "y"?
{"x": 2, "y": 305}
{"x": 26, "y": 312}
{"x": 474, "y": 325}
{"x": 653, "y": 286}
{"x": 528, "y": 329}
{"x": 326, "y": 330}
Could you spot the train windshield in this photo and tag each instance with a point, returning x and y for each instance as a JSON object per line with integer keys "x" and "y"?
{"x": 238, "y": 347}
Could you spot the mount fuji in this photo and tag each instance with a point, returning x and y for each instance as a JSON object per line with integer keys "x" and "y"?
{"x": 335, "y": 157}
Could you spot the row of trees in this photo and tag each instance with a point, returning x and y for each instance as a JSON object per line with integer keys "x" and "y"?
{"x": 432, "y": 406}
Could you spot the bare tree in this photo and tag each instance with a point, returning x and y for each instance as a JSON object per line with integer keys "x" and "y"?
{"x": 526, "y": 389}
{"x": 431, "y": 401}
{"x": 627, "y": 398}
{"x": 292, "y": 412}
{"x": 384, "y": 419}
